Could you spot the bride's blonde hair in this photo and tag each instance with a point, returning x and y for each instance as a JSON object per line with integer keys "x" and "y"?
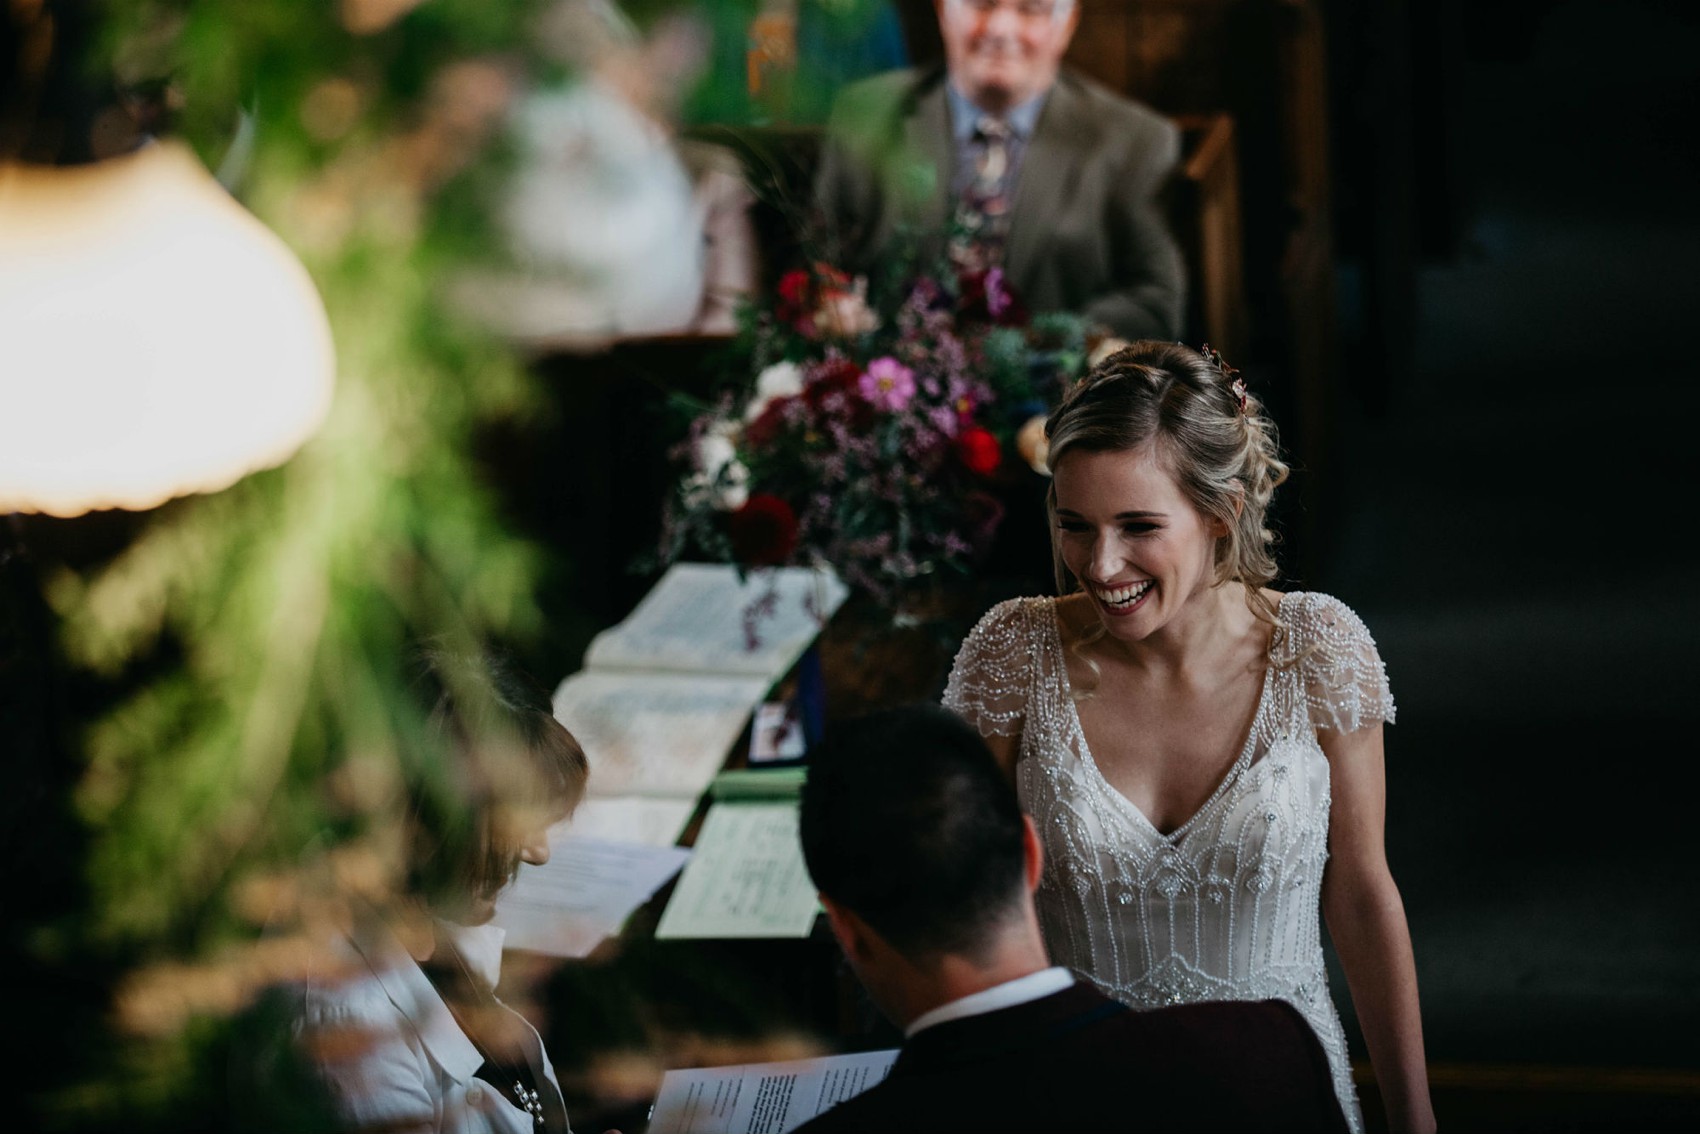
{"x": 1213, "y": 436}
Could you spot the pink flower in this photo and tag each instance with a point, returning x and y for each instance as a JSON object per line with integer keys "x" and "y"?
{"x": 888, "y": 384}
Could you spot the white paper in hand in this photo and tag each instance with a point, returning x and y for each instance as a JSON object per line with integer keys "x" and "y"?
{"x": 762, "y": 1098}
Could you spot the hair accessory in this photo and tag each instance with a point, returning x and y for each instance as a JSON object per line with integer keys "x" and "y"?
{"x": 1228, "y": 373}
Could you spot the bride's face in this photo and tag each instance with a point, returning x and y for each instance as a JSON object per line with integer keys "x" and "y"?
{"x": 1125, "y": 529}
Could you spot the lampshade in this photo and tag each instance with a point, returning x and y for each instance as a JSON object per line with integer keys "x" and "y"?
{"x": 155, "y": 338}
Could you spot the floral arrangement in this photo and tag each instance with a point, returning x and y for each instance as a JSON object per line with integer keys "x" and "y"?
{"x": 868, "y": 440}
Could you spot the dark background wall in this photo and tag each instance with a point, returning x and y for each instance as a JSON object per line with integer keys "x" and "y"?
{"x": 1517, "y": 242}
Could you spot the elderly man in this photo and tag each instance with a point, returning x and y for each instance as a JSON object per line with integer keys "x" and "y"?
{"x": 1004, "y": 159}
{"x": 926, "y": 867}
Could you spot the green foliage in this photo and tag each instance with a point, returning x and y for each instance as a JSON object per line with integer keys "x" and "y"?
{"x": 260, "y": 638}
{"x": 277, "y": 617}
{"x": 1004, "y": 363}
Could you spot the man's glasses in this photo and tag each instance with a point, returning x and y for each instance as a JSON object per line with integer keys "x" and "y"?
{"x": 1026, "y": 9}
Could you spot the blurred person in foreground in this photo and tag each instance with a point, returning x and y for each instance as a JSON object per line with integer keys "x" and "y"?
{"x": 403, "y": 1031}
{"x": 926, "y": 868}
{"x": 615, "y": 226}
{"x": 1003, "y": 160}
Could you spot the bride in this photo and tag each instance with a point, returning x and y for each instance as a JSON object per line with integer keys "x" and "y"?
{"x": 1194, "y": 747}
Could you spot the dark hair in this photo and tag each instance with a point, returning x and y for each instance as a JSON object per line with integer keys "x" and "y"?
{"x": 493, "y": 746}
{"x": 908, "y": 822}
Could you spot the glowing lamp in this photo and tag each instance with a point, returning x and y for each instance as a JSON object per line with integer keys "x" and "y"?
{"x": 155, "y": 338}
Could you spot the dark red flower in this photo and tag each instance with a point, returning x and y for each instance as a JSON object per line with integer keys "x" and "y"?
{"x": 768, "y": 425}
{"x": 763, "y": 531}
{"x": 803, "y": 291}
{"x": 986, "y": 297}
{"x": 831, "y": 374}
{"x": 979, "y": 450}
{"x": 834, "y": 388}
{"x": 796, "y": 300}
{"x": 794, "y": 286}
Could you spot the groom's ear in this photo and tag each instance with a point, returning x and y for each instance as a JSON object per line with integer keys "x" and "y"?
{"x": 854, "y": 935}
{"x": 1032, "y": 852}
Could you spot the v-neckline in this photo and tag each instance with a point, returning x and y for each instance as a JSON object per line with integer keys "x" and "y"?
{"x": 1241, "y": 762}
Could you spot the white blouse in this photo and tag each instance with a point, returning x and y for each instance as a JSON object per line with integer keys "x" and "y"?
{"x": 1224, "y": 907}
{"x": 385, "y": 1052}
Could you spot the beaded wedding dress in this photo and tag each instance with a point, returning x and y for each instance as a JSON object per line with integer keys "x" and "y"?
{"x": 1224, "y": 907}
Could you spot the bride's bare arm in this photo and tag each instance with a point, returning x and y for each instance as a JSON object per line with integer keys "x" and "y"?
{"x": 1366, "y": 919}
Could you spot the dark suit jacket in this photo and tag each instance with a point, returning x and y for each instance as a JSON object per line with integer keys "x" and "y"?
{"x": 1079, "y": 1061}
{"x": 1086, "y": 231}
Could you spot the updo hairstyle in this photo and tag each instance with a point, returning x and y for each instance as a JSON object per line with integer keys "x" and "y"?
{"x": 1222, "y": 453}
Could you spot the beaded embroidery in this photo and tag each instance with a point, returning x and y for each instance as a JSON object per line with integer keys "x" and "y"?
{"x": 1218, "y": 908}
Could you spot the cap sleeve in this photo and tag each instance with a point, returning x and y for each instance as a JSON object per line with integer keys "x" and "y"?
{"x": 1345, "y": 680}
{"x": 993, "y": 672}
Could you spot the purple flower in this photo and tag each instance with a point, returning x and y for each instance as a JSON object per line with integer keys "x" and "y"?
{"x": 945, "y": 419}
{"x": 888, "y": 384}
{"x": 998, "y": 298}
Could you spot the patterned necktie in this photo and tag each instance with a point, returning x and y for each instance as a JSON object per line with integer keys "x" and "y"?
{"x": 982, "y": 215}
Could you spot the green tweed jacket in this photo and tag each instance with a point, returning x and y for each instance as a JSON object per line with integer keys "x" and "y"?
{"x": 1086, "y": 230}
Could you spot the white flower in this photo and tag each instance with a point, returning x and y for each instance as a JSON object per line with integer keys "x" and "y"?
{"x": 726, "y": 492}
{"x": 781, "y": 380}
{"x": 733, "y": 491}
{"x": 721, "y": 479}
{"x": 714, "y": 452}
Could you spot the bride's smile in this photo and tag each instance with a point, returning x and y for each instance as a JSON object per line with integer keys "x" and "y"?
{"x": 1139, "y": 547}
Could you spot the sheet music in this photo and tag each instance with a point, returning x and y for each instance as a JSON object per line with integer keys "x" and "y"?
{"x": 762, "y": 1098}
{"x": 648, "y": 821}
{"x": 747, "y": 878}
{"x": 695, "y": 619}
{"x": 655, "y": 734}
{"x": 585, "y": 892}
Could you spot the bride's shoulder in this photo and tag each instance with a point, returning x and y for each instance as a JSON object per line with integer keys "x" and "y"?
{"x": 1312, "y": 618}
{"x": 1023, "y": 618}
{"x": 994, "y": 671}
{"x": 1332, "y": 649}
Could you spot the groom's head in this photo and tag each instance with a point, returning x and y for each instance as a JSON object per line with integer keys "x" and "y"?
{"x": 911, "y": 830}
